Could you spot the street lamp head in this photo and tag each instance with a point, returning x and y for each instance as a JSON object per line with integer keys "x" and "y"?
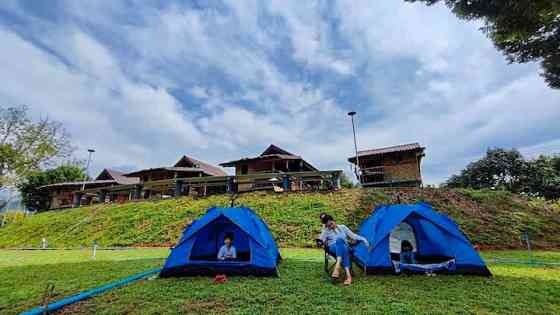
{"x": 351, "y": 114}
{"x": 91, "y": 150}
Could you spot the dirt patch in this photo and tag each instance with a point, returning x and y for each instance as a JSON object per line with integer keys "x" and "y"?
{"x": 214, "y": 306}
{"x": 75, "y": 308}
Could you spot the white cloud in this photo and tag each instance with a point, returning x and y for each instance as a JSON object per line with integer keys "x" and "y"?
{"x": 274, "y": 72}
{"x": 126, "y": 122}
{"x": 199, "y": 92}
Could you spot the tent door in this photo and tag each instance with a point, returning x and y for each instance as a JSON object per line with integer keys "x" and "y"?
{"x": 210, "y": 239}
{"x": 401, "y": 232}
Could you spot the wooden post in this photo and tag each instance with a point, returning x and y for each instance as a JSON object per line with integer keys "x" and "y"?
{"x": 337, "y": 184}
{"x": 286, "y": 182}
{"x": 231, "y": 185}
{"x": 77, "y": 199}
{"x": 101, "y": 195}
{"x": 178, "y": 188}
{"x": 138, "y": 192}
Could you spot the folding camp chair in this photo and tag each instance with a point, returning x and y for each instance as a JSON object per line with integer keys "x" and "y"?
{"x": 330, "y": 258}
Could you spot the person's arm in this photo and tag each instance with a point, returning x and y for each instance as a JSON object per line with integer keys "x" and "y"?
{"x": 354, "y": 236}
{"x": 222, "y": 253}
{"x": 233, "y": 253}
{"x": 323, "y": 236}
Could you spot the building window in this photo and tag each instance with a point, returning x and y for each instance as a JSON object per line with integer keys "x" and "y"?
{"x": 244, "y": 169}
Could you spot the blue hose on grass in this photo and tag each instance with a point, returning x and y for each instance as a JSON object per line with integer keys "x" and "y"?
{"x": 87, "y": 294}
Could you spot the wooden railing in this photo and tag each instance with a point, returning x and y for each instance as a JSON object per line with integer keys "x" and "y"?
{"x": 374, "y": 170}
{"x": 280, "y": 182}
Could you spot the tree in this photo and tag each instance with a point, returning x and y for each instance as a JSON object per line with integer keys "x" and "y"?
{"x": 507, "y": 169}
{"x": 34, "y": 199}
{"x": 498, "y": 169}
{"x": 524, "y": 30}
{"x": 542, "y": 177}
{"x": 26, "y": 146}
{"x": 345, "y": 181}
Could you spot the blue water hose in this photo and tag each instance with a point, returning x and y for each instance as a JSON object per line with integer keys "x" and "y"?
{"x": 89, "y": 293}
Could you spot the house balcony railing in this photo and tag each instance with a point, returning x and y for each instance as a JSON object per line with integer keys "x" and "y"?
{"x": 202, "y": 186}
{"x": 386, "y": 176}
{"x": 374, "y": 170}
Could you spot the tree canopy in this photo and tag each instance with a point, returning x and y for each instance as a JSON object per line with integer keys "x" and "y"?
{"x": 507, "y": 169}
{"x": 27, "y": 145}
{"x": 34, "y": 199}
{"x": 524, "y": 30}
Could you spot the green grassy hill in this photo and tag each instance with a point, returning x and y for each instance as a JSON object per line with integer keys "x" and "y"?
{"x": 491, "y": 219}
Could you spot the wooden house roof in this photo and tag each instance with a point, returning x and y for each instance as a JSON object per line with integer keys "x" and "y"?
{"x": 273, "y": 152}
{"x": 107, "y": 177}
{"x": 77, "y": 184}
{"x": 117, "y": 176}
{"x": 185, "y": 164}
{"x": 385, "y": 150}
{"x": 187, "y": 161}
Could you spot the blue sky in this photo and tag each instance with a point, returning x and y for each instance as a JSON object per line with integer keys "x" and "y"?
{"x": 144, "y": 82}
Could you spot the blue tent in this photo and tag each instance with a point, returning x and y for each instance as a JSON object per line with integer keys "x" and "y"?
{"x": 438, "y": 243}
{"x": 196, "y": 252}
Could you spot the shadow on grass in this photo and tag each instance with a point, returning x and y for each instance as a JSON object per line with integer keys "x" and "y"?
{"x": 303, "y": 287}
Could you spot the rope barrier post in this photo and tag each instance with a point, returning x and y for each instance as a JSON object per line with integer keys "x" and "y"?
{"x": 94, "y": 249}
{"x": 530, "y": 252}
{"x": 46, "y": 297}
{"x": 44, "y": 243}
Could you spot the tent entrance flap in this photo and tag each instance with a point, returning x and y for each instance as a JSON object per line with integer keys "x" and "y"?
{"x": 403, "y": 232}
{"x": 210, "y": 239}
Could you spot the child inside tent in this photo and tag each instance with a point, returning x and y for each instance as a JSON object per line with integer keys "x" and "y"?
{"x": 227, "y": 251}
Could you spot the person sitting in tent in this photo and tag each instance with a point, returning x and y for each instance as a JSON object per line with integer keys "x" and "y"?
{"x": 335, "y": 236}
{"x": 407, "y": 255}
{"x": 227, "y": 251}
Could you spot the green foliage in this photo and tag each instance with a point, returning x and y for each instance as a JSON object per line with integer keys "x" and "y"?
{"x": 302, "y": 287}
{"x": 507, "y": 169}
{"x": 498, "y": 169}
{"x": 542, "y": 177}
{"x": 26, "y": 146}
{"x": 345, "y": 181}
{"x": 524, "y": 30}
{"x": 493, "y": 219}
{"x": 37, "y": 200}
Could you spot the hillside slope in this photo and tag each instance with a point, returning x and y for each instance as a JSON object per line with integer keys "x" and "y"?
{"x": 491, "y": 219}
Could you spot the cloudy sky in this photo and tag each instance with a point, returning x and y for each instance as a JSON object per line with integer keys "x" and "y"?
{"x": 144, "y": 82}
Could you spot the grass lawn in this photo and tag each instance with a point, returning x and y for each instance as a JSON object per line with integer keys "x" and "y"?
{"x": 301, "y": 288}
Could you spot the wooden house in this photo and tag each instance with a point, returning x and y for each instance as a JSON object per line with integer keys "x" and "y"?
{"x": 64, "y": 195}
{"x": 395, "y": 166}
{"x": 273, "y": 160}
{"x": 186, "y": 167}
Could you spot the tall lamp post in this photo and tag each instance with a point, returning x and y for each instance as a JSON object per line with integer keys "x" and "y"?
{"x": 90, "y": 152}
{"x": 351, "y": 114}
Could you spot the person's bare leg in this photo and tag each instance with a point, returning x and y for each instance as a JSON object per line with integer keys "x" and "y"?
{"x": 336, "y": 271}
{"x": 348, "y": 280}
